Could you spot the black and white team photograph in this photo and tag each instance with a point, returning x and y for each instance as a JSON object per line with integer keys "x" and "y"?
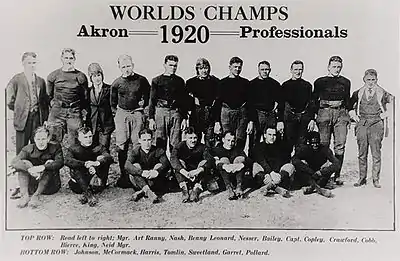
{"x": 231, "y": 134}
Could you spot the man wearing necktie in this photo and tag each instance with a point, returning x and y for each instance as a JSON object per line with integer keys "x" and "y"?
{"x": 27, "y": 98}
{"x": 369, "y": 105}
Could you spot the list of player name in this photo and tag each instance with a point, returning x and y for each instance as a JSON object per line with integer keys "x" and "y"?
{"x": 168, "y": 245}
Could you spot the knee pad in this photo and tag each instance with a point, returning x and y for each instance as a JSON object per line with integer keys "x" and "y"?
{"x": 289, "y": 168}
{"x": 239, "y": 159}
{"x": 224, "y": 160}
{"x": 27, "y": 164}
{"x": 257, "y": 168}
{"x": 137, "y": 165}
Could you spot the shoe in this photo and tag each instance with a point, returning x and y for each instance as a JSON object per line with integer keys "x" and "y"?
{"x": 376, "y": 184}
{"x": 360, "y": 183}
{"x": 152, "y": 196}
{"x": 239, "y": 192}
{"x": 137, "y": 196}
{"x": 231, "y": 194}
{"x": 331, "y": 184}
{"x": 16, "y": 193}
{"x": 83, "y": 198}
{"x": 325, "y": 192}
{"x": 92, "y": 200}
{"x": 308, "y": 190}
{"x": 195, "y": 194}
{"x": 185, "y": 195}
{"x": 34, "y": 202}
{"x": 339, "y": 182}
{"x": 23, "y": 201}
{"x": 283, "y": 192}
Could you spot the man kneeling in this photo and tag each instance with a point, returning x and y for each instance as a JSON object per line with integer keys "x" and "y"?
{"x": 38, "y": 168}
{"x": 190, "y": 166}
{"x": 89, "y": 166}
{"x": 315, "y": 163}
{"x": 231, "y": 162}
{"x": 146, "y": 167}
{"x": 271, "y": 168}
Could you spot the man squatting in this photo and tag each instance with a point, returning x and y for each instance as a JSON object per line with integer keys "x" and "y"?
{"x": 230, "y": 105}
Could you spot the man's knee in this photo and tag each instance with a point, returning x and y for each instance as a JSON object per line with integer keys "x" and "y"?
{"x": 288, "y": 168}
{"x": 257, "y": 168}
{"x": 224, "y": 160}
{"x": 239, "y": 159}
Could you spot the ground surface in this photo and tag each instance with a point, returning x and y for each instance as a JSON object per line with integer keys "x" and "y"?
{"x": 352, "y": 208}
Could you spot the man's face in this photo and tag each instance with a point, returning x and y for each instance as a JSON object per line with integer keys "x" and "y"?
{"x": 370, "y": 80}
{"x": 85, "y": 139}
{"x": 264, "y": 70}
{"x": 97, "y": 79}
{"x": 315, "y": 143}
{"x": 334, "y": 68}
{"x": 235, "y": 69}
{"x": 29, "y": 64}
{"x": 145, "y": 141}
{"x": 126, "y": 67}
{"x": 228, "y": 141}
{"x": 191, "y": 140}
{"x": 296, "y": 71}
{"x": 41, "y": 140}
{"x": 170, "y": 67}
{"x": 68, "y": 60}
{"x": 203, "y": 71}
{"x": 270, "y": 136}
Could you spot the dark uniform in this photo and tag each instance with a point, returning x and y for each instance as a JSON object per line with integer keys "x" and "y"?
{"x": 202, "y": 117}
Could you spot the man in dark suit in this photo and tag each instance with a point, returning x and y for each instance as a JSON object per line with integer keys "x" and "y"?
{"x": 100, "y": 113}
{"x": 27, "y": 97}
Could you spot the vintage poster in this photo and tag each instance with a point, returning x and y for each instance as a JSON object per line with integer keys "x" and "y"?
{"x": 206, "y": 130}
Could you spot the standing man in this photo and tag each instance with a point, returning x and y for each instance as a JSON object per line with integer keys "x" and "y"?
{"x": 299, "y": 112}
{"x": 89, "y": 166}
{"x": 231, "y": 163}
{"x": 272, "y": 168}
{"x": 27, "y": 98}
{"x": 315, "y": 163}
{"x": 127, "y": 93}
{"x": 332, "y": 97}
{"x": 101, "y": 117}
{"x": 203, "y": 88}
{"x": 233, "y": 111}
{"x": 38, "y": 165}
{"x": 265, "y": 102}
{"x": 67, "y": 88}
{"x": 370, "y": 114}
{"x": 146, "y": 167}
{"x": 191, "y": 169}
{"x": 169, "y": 105}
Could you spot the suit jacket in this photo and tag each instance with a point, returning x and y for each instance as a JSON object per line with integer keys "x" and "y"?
{"x": 18, "y": 99}
{"x": 100, "y": 110}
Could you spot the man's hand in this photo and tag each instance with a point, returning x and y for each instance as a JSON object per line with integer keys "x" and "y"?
{"x": 217, "y": 128}
{"x": 384, "y": 115}
{"x": 152, "y": 125}
{"x": 145, "y": 174}
{"x": 280, "y": 126}
{"x": 354, "y": 116}
{"x": 185, "y": 173}
{"x": 92, "y": 170}
{"x": 184, "y": 124}
{"x": 36, "y": 171}
{"x": 100, "y": 157}
{"x": 152, "y": 174}
{"x": 196, "y": 101}
{"x": 311, "y": 125}
{"x": 249, "y": 129}
{"x": 228, "y": 167}
{"x": 90, "y": 163}
{"x": 237, "y": 167}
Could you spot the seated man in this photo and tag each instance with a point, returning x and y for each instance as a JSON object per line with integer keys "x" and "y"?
{"x": 38, "y": 166}
{"x": 314, "y": 164}
{"x": 88, "y": 165}
{"x": 146, "y": 167}
{"x": 271, "y": 167}
{"x": 231, "y": 163}
{"x": 190, "y": 167}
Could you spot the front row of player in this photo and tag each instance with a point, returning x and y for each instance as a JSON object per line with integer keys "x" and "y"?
{"x": 194, "y": 167}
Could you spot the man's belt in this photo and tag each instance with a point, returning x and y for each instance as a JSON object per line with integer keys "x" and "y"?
{"x": 70, "y": 105}
{"x": 291, "y": 109}
{"x": 331, "y": 104}
{"x": 166, "y": 104}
